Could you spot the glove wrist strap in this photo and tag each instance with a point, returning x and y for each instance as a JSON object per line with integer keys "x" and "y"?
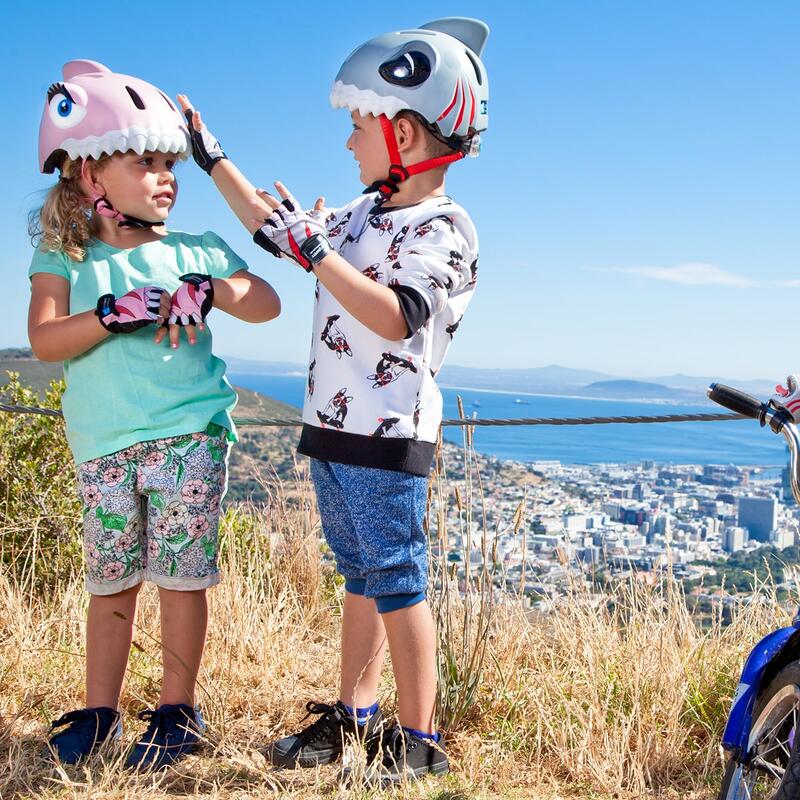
{"x": 105, "y": 306}
{"x": 314, "y": 249}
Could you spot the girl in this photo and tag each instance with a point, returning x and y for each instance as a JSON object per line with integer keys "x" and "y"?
{"x": 147, "y": 420}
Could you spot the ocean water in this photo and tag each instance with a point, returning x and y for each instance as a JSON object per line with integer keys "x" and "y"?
{"x": 738, "y": 442}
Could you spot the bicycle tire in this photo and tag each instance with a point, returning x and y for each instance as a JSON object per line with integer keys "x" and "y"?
{"x": 788, "y": 788}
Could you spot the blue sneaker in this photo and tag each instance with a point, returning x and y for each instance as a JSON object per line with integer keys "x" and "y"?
{"x": 173, "y": 732}
{"x": 87, "y": 730}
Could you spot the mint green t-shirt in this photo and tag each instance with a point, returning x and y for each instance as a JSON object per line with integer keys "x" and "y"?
{"x": 127, "y": 389}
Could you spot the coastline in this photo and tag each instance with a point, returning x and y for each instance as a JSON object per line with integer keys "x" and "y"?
{"x": 649, "y": 400}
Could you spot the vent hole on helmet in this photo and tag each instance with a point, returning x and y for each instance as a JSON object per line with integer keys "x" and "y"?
{"x": 408, "y": 69}
{"x": 169, "y": 102}
{"x": 476, "y": 67}
{"x": 137, "y": 101}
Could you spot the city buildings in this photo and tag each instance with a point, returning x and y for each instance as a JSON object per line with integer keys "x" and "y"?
{"x": 549, "y": 525}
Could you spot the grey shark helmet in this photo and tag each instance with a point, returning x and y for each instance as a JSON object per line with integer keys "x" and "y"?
{"x": 435, "y": 72}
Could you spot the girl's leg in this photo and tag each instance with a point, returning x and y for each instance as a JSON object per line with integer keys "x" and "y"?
{"x": 109, "y": 630}
{"x": 412, "y": 643}
{"x": 363, "y": 648}
{"x": 184, "y": 619}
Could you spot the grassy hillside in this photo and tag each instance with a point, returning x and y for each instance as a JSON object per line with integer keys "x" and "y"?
{"x": 34, "y": 373}
{"x": 261, "y": 455}
{"x": 618, "y": 697}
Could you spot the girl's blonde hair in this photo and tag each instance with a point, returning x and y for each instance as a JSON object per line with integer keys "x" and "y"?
{"x": 65, "y": 221}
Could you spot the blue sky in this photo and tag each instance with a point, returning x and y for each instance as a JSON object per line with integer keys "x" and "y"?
{"x": 637, "y": 199}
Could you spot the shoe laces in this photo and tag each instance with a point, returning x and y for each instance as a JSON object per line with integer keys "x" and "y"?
{"x": 396, "y": 743}
{"x": 324, "y": 725}
{"x": 163, "y": 723}
{"x": 84, "y": 722}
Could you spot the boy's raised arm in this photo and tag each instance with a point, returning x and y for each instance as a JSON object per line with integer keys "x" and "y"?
{"x": 239, "y": 193}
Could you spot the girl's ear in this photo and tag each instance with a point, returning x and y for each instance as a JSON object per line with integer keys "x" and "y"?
{"x": 89, "y": 179}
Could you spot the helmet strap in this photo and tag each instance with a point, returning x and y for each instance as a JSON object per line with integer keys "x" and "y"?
{"x": 102, "y": 205}
{"x": 397, "y": 171}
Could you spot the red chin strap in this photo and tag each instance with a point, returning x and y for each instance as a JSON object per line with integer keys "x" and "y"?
{"x": 397, "y": 172}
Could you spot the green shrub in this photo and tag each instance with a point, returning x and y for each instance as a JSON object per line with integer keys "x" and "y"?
{"x": 40, "y": 514}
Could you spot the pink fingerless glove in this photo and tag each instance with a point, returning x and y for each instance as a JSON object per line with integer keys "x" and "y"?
{"x": 132, "y": 311}
{"x": 192, "y": 300}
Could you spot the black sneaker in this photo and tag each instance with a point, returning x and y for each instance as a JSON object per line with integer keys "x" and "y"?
{"x": 87, "y": 730}
{"x": 404, "y": 757}
{"x": 323, "y": 741}
{"x": 173, "y": 731}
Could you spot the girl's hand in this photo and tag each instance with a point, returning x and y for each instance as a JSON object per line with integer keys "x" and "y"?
{"x": 190, "y": 304}
{"x": 206, "y": 150}
{"x": 132, "y": 311}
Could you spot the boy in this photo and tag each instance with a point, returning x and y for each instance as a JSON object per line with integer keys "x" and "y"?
{"x": 395, "y": 271}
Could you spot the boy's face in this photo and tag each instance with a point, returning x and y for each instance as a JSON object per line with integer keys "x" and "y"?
{"x": 368, "y": 146}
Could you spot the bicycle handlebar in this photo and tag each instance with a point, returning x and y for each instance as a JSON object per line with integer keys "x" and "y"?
{"x": 778, "y": 419}
{"x": 735, "y": 400}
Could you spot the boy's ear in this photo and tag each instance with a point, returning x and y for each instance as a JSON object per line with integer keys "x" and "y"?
{"x": 407, "y": 134}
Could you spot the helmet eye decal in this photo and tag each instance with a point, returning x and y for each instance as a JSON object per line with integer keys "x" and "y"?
{"x": 93, "y": 111}
{"x": 408, "y": 69}
{"x": 62, "y": 109}
{"x": 435, "y": 71}
{"x": 137, "y": 101}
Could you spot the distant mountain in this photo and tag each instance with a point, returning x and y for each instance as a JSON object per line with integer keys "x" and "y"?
{"x": 551, "y": 379}
{"x": 630, "y": 390}
{"x": 760, "y": 387}
{"x": 555, "y": 379}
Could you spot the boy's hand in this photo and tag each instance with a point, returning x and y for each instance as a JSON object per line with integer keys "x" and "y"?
{"x": 788, "y": 397}
{"x": 206, "y": 150}
{"x": 134, "y": 310}
{"x": 289, "y": 231}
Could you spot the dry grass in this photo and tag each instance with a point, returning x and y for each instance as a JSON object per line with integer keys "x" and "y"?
{"x": 622, "y": 698}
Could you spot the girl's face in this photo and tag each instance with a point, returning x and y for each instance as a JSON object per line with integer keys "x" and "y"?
{"x": 142, "y": 186}
{"x": 368, "y": 146}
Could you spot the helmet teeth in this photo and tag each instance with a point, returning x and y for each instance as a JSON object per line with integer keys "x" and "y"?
{"x": 135, "y": 139}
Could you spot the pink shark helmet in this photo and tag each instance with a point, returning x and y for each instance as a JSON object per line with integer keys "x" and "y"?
{"x": 434, "y": 71}
{"x": 95, "y": 111}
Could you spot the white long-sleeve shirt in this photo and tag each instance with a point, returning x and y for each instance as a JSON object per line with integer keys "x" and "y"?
{"x": 372, "y": 401}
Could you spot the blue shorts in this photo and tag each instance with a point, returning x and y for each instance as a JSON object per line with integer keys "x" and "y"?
{"x": 372, "y": 521}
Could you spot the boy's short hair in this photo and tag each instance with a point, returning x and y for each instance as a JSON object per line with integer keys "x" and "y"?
{"x": 434, "y": 146}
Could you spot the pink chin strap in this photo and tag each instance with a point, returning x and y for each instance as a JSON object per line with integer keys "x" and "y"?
{"x": 397, "y": 172}
{"x": 103, "y": 207}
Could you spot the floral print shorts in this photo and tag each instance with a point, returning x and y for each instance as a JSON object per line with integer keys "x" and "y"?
{"x": 151, "y": 512}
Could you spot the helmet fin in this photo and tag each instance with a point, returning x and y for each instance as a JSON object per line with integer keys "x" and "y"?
{"x": 82, "y": 66}
{"x": 471, "y": 32}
